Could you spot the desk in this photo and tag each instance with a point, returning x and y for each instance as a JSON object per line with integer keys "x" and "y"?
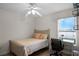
{"x": 67, "y": 51}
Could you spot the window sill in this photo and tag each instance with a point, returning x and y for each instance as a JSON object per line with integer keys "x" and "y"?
{"x": 69, "y": 41}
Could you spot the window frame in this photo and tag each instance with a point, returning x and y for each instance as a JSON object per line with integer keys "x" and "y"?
{"x": 75, "y": 40}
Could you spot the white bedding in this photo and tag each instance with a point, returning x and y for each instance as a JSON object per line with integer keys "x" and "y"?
{"x": 28, "y": 46}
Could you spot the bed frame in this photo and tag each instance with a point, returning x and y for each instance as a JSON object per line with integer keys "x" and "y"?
{"x": 23, "y": 51}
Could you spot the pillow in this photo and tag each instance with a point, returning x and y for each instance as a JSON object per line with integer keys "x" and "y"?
{"x": 40, "y": 36}
{"x": 43, "y": 36}
{"x": 37, "y": 35}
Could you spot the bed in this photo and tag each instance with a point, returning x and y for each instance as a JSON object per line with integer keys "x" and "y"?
{"x": 25, "y": 47}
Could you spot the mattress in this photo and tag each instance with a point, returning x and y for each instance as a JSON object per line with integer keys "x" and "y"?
{"x": 27, "y": 46}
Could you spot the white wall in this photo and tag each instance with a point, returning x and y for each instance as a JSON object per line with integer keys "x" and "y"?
{"x": 47, "y": 22}
{"x": 13, "y": 26}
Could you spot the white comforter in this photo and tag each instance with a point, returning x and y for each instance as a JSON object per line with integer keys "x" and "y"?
{"x": 27, "y": 46}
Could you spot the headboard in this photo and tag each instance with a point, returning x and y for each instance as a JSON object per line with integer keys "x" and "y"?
{"x": 43, "y": 31}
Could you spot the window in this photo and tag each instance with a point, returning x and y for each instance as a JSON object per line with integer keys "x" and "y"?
{"x": 66, "y": 29}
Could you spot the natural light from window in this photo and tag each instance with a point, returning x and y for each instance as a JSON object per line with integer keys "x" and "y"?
{"x": 66, "y": 29}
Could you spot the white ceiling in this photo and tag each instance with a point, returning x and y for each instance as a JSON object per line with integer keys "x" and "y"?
{"x": 47, "y": 8}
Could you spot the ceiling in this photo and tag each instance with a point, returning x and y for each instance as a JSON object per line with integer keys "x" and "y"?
{"x": 47, "y": 8}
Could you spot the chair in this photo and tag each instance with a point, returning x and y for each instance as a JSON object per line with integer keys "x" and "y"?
{"x": 57, "y": 46}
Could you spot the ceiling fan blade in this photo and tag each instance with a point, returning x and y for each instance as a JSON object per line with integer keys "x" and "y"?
{"x": 37, "y": 8}
{"x": 38, "y": 13}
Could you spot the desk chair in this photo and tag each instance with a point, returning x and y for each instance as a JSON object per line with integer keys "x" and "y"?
{"x": 57, "y": 46}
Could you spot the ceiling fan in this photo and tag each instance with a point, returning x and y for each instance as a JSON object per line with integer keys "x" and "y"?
{"x": 33, "y": 9}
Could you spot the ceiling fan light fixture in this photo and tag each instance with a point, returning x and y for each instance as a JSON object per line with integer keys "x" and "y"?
{"x": 33, "y": 9}
{"x": 33, "y": 12}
